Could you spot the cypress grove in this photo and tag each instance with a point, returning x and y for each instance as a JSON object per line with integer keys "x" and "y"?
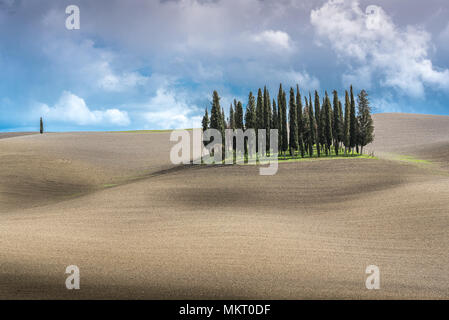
{"x": 321, "y": 126}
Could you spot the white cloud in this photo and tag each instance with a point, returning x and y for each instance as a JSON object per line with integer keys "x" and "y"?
{"x": 443, "y": 38}
{"x": 389, "y": 104}
{"x": 303, "y": 79}
{"x": 110, "y": 81}
{"x": 169, "y": 112}
{"x": 72, "y": 109}
{"x": 275, "y": 39}
{"x": 360, "y": 76}
{"x": 93, "y": 66}
{"x": 372, "y": 42}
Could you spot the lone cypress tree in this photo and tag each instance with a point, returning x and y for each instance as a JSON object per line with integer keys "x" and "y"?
{"x": 300, "y": 122}
{"x": 347, "y": 130}
{"x": 336, "y": 130}
{"x": 293, "y": 123}
{"x": 318, "y": 124}
{"x": 41, "y": 130}
{"x": 365, "y": 122}
{"x": 353, "y": 127}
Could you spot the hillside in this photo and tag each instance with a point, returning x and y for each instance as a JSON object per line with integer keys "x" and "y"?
{"x": 223, "y": 232}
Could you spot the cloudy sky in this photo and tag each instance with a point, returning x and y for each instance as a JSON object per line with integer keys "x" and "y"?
{"x": 149, "y": 64}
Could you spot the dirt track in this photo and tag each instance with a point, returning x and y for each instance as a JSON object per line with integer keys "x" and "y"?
{"x": 223, "y": 232}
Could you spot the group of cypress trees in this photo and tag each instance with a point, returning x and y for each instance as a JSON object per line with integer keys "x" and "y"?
{"x": 318, "y": 126}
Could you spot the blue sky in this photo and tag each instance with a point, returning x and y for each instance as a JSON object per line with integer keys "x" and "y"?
{"x": 148, "y": 64}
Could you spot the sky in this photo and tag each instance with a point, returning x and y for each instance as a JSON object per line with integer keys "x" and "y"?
{"x": 150, "y": 64}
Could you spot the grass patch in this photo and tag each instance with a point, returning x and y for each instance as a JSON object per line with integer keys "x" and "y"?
{"x": 411, "y": 159}
{"x": 148, "y": 131}
{"x": 110, "y": 185}
{"x": 296, "y": 157}
{"x": 331, "y": 157}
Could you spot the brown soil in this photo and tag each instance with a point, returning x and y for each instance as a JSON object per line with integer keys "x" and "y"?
{"x": 222, "y": 231}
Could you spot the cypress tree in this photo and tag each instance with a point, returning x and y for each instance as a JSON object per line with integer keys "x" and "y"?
{"x": 306, "y": 125}
{"x": 365, "y": 122}
{"x": 231, "y": 118}
{"x": 300, "y": 122}
{"x": 323, "y": 125}
{"x": 327, "y": 124}
{"x": 41, "y": 126}
{"x": 347, "y": 130}
{"x": 336, "y": 130}
{"x": 259, "y": 111}
{"x": 279, "y": 117}
{"x": 284, "y": 123}
{"x": 223, "y": 118}
{"x": 274, "y": 119}
{"x": 264, "y": 107}
{"x": 239, "y": 115}
{"x": 250, "y": 115}
{"x": 341, "y": 123}
{"x": 353, "y": 126}
{"x": 259, "y": 116}
{"x": 318, "y": 124}
{"x": 232, "y": 124}
{"x": 216, "y": 117}
{"x": 205, "y": 122}
{"x": 267, "y": 115}
{"x": 223, "y": 134}
{"x": 293, "y": 123}
{"x": 312, "y": 124}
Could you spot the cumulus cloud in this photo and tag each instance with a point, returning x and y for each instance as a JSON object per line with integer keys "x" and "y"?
{"x": 275, "y": 39}
{"x": 72, "y": 109}
{"x": 110, "y": 81}
{"x": 98, "y": 67}
{"x": 303, "y": 79}
{"x": 373, "y": 45}
{"x": 169, "y": 112}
